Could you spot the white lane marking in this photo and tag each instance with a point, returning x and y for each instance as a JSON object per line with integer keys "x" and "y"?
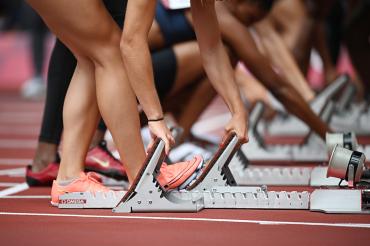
{"x": 15, "y": 189}
{"x": 6, "y": 184}
{"x": 17, "y": 143}
{"x": 26, "y": 197}
{"x": 10, "y": 161}
{"x": 260, "y": 222}
{"x": 14, "y": 172}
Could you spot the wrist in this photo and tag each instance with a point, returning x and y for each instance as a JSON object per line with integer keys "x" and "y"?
{"x": 238, "y": 108}
{"x": 155, "y": 119}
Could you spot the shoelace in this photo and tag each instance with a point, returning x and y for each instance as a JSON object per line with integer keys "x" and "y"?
{"x": 92, "y": 178}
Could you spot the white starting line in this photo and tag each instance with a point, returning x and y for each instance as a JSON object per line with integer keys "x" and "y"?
{"x": 13, "y": 172}
{"x": 6, "y": 184}
{"x": 259, "y": 222}
{"x": 26, "y": 197}
{"x": 15, "y": 189}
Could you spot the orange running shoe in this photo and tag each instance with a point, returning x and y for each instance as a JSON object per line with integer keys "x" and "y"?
{"x": 86, "y": 182}
{"x": 173, "y": 176}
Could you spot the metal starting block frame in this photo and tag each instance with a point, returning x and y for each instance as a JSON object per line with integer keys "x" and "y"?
{"x": 146, "y": 194}
{"x": 285, "y": 176}
{"x": 215, "y": 188}
{"x": 257, "y": 150}
{"x": 291, "y": 125}
{"x": 246, "y": 174}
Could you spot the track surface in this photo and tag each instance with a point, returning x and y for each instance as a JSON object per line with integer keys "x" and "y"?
{"x": 27, "y": 218}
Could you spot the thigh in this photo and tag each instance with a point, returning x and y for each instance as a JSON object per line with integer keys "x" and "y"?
{"x": 81, "y": 24}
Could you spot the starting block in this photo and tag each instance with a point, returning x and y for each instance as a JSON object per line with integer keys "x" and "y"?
{"x": 289, "y": 125}
{"x": 313, "y": 150}
{"x": 214, "y": 188}
{"x": 246, "y": 174}
{"x": 355, "y": 118}
{"x": 258, "y": 150}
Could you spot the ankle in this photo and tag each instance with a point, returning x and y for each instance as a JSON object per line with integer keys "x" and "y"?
{"x": 40, "y": 164}
{"x": 65, "y": 178}
{"x": 45, "y": 154}
{"x": 66, "y": 182}
{"x": 97, "y": 138}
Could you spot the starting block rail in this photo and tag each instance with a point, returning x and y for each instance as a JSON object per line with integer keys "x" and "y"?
{"x": 254, "y": 175}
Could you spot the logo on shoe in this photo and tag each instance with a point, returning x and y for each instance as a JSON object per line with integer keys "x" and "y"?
{"x": 100, "y": 162}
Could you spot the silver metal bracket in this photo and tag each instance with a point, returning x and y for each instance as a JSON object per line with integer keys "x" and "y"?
{"x": 293, "y": 126}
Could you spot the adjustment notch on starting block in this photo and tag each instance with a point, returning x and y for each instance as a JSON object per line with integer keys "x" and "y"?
{"x": 217, "y": 172}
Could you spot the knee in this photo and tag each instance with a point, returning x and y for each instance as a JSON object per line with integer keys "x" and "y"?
{"x": 105, "y": 47}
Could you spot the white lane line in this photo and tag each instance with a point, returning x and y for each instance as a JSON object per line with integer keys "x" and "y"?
{"x": 25, "y": 197}
{"x": 17, "y": 143}
{"x": 260, "y": 222}
{"x": 10, "y": 161}
{"x": 13, "y": 172}
{"x": 15, "y": 189}
{"x": 6, "y": 184}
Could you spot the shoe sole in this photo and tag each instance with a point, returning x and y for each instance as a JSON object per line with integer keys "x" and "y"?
{"x": 193, "y": 177}
{"x": 36, "y": 183}
{"x": 176, "y": 184}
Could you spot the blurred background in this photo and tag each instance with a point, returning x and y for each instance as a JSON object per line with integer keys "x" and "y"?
{"x": 25, "y": 45}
